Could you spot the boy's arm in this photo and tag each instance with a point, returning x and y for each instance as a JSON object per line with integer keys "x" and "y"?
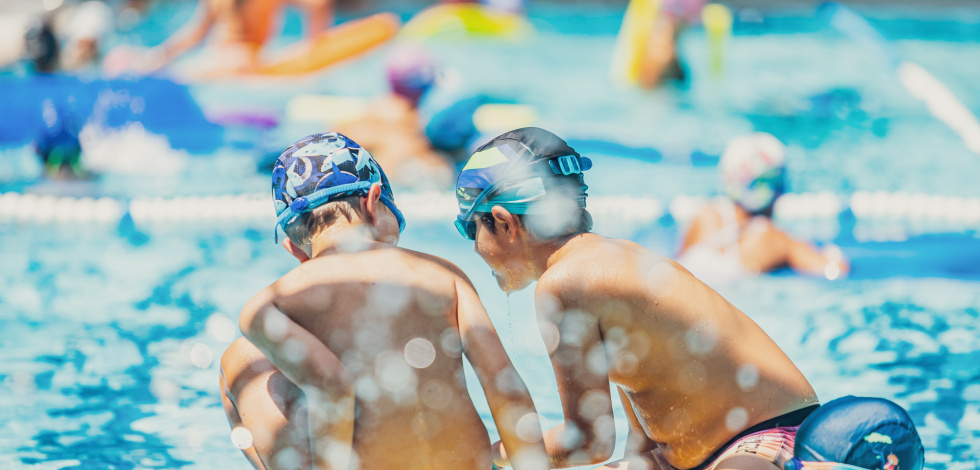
{"x": 307, "y": 362}
{"x": 510, "y": 402}
{"x": 588, "y": 435}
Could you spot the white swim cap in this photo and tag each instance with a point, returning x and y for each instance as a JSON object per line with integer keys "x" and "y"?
{"x": 752, "y": 170}
{"x": 90, "y": 20}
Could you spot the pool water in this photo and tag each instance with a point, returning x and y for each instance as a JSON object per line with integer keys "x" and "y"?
{"x": 112, "y": 335}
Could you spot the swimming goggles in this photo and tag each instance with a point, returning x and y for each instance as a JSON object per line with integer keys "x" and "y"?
{"x": 318, "y": 198}
{"x": 564, "y": 165}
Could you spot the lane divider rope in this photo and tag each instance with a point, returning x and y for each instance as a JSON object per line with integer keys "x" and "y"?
{"x": 434, "y": 207}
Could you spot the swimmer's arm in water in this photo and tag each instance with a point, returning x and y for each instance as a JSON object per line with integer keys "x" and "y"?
{"x": 510, "y": 402}
{"x": 319, "y": 16}
{"x": 188, "y": 37}
{"x": 583, "y": 380}
{"x": 806, "y": 258}
{"x": 318, "y": 372}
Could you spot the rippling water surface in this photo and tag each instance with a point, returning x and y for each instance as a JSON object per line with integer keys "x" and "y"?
{"x": 111, "y": 337}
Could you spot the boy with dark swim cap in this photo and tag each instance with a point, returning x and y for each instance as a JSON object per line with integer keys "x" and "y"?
{"x": 354, "y": 358}
{"x": 696, "y": 375}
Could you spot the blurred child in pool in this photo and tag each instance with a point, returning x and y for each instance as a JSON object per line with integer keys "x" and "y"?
{"x": 734, "y": 236}
{"x": 354, "y": 358}
{"x": 242, "y": 29}
{"x": 661, "y": 61}
{"x": 390, "y": 126}
{"x": 424, "y": 127}
{"x": 696, "y": 376}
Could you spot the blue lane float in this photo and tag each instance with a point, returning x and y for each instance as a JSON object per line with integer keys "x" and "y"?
{"x": 160, "y": 106}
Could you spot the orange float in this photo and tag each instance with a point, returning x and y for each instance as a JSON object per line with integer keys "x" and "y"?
{"x": 336, "y": 44}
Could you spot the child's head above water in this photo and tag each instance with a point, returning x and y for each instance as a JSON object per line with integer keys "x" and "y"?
{"x": 320, "y": 178}
{"x": 411, "y": 71}
{"x": 752, "y": 171}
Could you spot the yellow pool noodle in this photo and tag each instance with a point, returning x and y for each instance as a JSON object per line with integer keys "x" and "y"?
{"x": 717, "y": 19}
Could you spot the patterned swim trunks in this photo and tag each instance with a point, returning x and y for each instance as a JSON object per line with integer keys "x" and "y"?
{"x": 775, "y": 445}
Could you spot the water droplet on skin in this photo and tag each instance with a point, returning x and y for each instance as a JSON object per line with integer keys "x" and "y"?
{"x": 241, "y": 437}
{"x": 747, "y": 376}
{"x": 736, "y": 419}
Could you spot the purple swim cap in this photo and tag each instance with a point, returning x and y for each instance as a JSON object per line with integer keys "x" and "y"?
{"x": 411, "y": 71}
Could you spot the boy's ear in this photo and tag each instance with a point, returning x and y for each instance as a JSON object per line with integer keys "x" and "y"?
{"x": 507, "y": 223}
{"x": 371, "y": 204}
{"x": 295, "y": 250}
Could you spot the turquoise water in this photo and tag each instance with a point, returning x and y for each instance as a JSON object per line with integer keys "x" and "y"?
{"x": 112, "y": 336}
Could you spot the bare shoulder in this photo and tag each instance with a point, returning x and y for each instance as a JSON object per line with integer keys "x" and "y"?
{"x": 598, "y": 263}
{"x": 440, "y": 264}
{"x": 707, "y": 219}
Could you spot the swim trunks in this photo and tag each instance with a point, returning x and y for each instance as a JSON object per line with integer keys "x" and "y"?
{"x": 772, "y": 440}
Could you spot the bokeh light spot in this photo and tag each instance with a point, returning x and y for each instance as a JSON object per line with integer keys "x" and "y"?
{"x": 241, "y": 437}
{"x": 420, "y": 353}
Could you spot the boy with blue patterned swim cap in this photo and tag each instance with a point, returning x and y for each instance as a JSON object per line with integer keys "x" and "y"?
{"x": 354, "y": 358}
{"x": 695, "y": 374}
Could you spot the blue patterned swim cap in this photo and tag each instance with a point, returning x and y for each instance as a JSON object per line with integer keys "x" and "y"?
{"x": 320, "y": 168}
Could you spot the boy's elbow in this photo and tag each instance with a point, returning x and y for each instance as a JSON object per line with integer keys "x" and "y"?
{"x": 593, "y": 450}
{"x": 600, "y": 453}
{"x": 600, "y": 444}
{"x": 249, "y": 319}
{"x": 245, "y": 321}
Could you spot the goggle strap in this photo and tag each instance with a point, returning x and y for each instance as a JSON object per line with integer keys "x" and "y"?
{"x": 318, "y": 198}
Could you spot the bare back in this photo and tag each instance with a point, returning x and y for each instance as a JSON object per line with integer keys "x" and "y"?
{"x": 390, "y": 315}
{"x": 693, "y": 370}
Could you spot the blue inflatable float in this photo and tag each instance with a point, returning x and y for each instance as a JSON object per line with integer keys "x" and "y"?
{"x": 161, "y": 106}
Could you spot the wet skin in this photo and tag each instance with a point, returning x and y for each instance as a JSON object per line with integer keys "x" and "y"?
{"x": 360, "y": 349}
{"x": 691, "y": 370}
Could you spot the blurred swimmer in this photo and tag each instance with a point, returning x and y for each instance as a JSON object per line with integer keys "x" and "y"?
{"x": 41, "y": 46}
{"x": 661, "y": 62}
{"x": 696, "y": 376}
{"x": 87, "y": 27}
{"x": 354, "y": 358}
{"x": 58, "y": 143}
{"x": 243, "y": 28}
{"x": 69, "y": 38}
{"x": 734, "y": 236}
{"x": 390, "y": 126}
